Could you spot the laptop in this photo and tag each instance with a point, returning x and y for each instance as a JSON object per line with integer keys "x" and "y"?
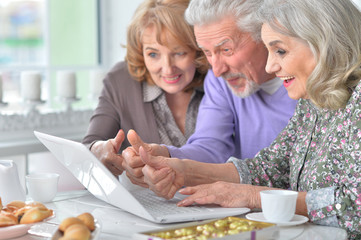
{"x": 100, "y": 182}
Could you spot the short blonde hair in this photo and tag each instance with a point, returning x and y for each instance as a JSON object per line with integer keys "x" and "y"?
{"x": 167, "y": 16}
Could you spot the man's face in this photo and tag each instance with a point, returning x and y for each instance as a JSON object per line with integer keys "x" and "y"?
{"x": 234, "y": 55}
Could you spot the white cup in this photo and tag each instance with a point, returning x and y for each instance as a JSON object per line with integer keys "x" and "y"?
{"x": 42, "y": 187}
{"x": 278, "y": 205}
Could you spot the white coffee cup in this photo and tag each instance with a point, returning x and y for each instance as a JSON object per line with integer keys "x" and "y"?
{"x": 278, "y": 205}
{"x": 42, "y": 187}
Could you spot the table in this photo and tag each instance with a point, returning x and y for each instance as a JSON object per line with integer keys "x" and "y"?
{"x": 120, "y": 225}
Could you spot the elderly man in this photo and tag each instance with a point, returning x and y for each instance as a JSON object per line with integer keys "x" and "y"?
{"x": 244, "y": 108}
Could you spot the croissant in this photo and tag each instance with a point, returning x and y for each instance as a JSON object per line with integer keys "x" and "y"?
{"x": 7, "y": 219}
{"x": 14, "y": 205}
{"x": 1, "y": 204}
{"x": 77, "y": 232}
{"x": 19, "y": 213}
{"x": 36, "y": 204}
{"x": 35, "y": 214}
{"x": 88, "y": 220}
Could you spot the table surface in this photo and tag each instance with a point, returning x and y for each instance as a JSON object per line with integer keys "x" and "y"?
{"x": 118, "y": 224}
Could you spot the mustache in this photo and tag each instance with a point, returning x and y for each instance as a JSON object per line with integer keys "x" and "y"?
{"x": 233, "y": 75}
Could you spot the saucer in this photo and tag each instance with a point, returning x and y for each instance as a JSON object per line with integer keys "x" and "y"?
{"x": 296, "y": 220}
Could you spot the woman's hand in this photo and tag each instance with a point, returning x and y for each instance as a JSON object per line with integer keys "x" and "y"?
{"x": 107, "y": 153}
{"x": 132, "y": 162}
{"x": 224, "y": 194}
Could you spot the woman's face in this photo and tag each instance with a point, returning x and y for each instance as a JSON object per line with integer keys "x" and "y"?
{"x": 291, "y": 59}
{"x": 171, "y": 67}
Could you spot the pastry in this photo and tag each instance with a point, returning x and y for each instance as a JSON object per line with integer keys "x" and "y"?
{"x": 19, "y": 213}
{"x": 7, "y": 219}
{"x": 88, "y": 220}
{"x": 16, "y": 204}
{"x": 77, "y": 232}
{"x": 36, "y": 204}
{"x": 77, "y": 228}
{"x": 35, "y": 214}
{"x": 68, "y": 222}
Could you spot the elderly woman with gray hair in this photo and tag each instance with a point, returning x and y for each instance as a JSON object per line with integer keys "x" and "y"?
{"x": 315, "y": 48}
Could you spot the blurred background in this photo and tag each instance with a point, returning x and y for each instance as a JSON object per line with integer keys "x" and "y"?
{"x": 85, "y": 37}
{"x": 52, "y": 35}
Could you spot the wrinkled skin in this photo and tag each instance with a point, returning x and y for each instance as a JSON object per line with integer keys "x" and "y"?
{"x": 224, "y": 194}
{"x": 132, "y": 162}
{"x": 107, "y": 153}
{"x": 164, "y": 176}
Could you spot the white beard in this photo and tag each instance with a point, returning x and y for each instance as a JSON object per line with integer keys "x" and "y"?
{"x": 250, "y": 88}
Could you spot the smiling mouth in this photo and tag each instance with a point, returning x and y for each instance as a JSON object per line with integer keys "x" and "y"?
{"x": 172, "y": 79}
{"x": 287, "y": 79}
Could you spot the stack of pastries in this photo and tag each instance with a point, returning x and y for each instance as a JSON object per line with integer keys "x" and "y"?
{"x": 77, "y": 228}
{"x": 19, "y": 212}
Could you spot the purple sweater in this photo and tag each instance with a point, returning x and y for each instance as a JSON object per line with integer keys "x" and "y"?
{"x": 228, "y": 125}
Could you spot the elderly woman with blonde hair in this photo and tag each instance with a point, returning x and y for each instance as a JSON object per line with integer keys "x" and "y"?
{"x": 156, "y": 91}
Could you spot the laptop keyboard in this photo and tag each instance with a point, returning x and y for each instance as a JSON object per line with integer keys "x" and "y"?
{"x": 158, "y": 206}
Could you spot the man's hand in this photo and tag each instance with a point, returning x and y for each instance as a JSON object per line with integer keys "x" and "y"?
{"x": 164, "y": 176}
{"x": 132, "y": 163}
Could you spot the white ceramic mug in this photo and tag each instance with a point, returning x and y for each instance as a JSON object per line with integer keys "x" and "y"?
{"x": 278, "y": 205}
{"x": 42, "y": 187}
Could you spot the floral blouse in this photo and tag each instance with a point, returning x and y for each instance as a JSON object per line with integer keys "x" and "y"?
{"x": 319, "y": 152}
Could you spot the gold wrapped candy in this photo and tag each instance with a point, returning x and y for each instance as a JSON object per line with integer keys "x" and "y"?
{"x": 214, "y": 229}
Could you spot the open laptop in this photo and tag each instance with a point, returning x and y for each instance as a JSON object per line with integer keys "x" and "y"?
{"x": 99, "y": 181}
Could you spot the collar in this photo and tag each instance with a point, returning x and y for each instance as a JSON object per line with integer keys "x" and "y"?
{"x": 150, "y": 92}
{"x": 272, "y": 85}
